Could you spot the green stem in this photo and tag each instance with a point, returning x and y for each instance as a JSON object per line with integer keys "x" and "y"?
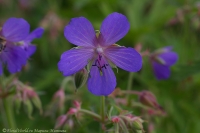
{"x": 130, "y": 82}
{"x": 65, "y": 81}
{"x": 103, "y": 109}
{"x": 9, "y": 112}
{"x": 7, "y": 106}
{"x": 90, "y": 113}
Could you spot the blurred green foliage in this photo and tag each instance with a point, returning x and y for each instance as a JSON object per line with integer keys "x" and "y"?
{"x": 154, "y": 24}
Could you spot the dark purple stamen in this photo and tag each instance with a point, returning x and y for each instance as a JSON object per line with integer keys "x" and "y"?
{"x": 98, "y": 64}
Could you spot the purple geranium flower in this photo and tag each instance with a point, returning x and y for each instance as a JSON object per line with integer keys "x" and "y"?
{"x": 26, "y": 43}
{"x": 99, "y": 52}
{"x": 161, "y": 61}
{"x": 14, "y": 57}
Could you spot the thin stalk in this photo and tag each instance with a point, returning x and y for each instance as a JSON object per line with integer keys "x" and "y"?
{"x": 103, "y": 109}
{"x": 65, "y": 81}
{"x": 9, "y": 113}
{"x": 90, "y": 113}
{"x": 130, "y": 81}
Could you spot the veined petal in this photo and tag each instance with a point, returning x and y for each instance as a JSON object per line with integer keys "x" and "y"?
{"x": 80, "y": 32}
{"x": 169, "y": 58}
{"x": 125, "y": 58}
{"x": 15, "y": 29}
{"x": 30, "y": 49}
{"x": 14, "y": 57}
{"x": 74, "y": 60}
{"x": 161, "y": 71}
{"x": 113, "y": 28}
{"x": 37, "y": 33}
{"x": 101, "y": 82}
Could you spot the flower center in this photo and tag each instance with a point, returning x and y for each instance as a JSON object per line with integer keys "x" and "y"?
{"x": 100, "y": 63}
{"x": 99, "y": 50}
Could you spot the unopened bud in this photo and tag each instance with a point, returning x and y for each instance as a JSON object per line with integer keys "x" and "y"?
{"x": 70, "y": 123}
{"x": 17, "y": 102}
{"x": 28, "y": 93}
{"x": 59, "y": 96}
{"x": 80, "y": 78}
{"x": 137, "y": 123}
{"x": 72, "y": 111}
{"x": 36, "y": 101}
{"x": 60, "y": 121}
{"x": 77, "y": 104}
{"x": 29, "y": 108}
{"x": 147, "y": 98}
{"x": 115, "y": 119}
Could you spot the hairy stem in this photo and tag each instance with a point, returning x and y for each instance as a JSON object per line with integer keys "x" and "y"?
{"x": 103, "y": 111}
{"x": 7, "y": 106}
{"x": 103, "y": 108}
{"x": 129, "y": 86}
{"x": 90, "y": 113}
{"x": 9, "y": 112}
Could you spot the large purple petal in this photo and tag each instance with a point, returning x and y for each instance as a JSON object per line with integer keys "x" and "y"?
{"x": 125, "y": 58}
{"x": 30, "y": 50}
{"x": 74, "y": 60}
{"x": 169, "y": 58}
{"x": 161, "y": 71}
{"x": 80, "y": 32}
{"x": 15, "y": 29}
{"x": 101, "y": 84}
{"x": 14, "y": 57}
{"x": 113, "y": 28}
{"x": 37, "y": 33}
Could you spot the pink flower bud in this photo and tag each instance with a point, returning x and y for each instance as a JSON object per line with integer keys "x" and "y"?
{"x": 130, "y": 116}
{"x": 72, "y": 111}
{"x": 147, "y": 98}
{"x": 115, "y": 119}
{"x": 28, "y": 93}
{"x": 60, "y": 96}
{"x": 60, "y": 121}
{"x": 70, "y": 123}
{"x": 77, "y": 104}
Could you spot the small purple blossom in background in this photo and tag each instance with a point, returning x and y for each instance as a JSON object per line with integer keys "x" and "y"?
{"x": 26, "y": 43}
{"x": 162, "y": 60}
{"x": 99, "y": 51}
{"x": 15, "y": 44}
{"x": 14, "y": 57}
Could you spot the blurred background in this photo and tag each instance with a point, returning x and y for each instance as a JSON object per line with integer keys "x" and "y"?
{"x": 154, "y": 24}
